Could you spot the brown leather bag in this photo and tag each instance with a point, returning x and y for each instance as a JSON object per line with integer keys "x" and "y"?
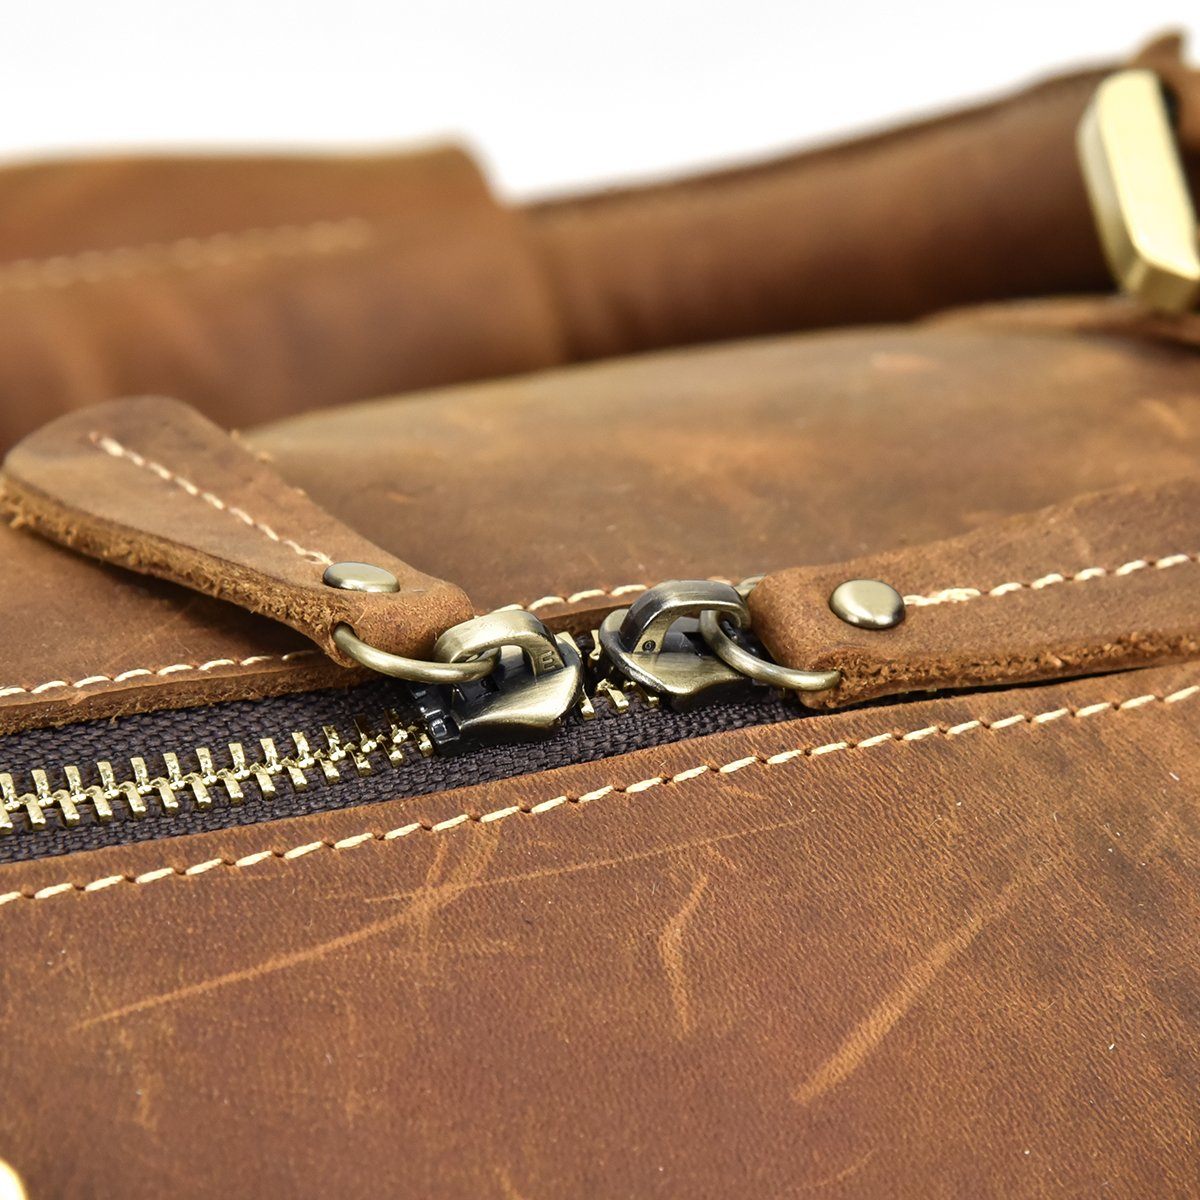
{"x": 757, "y": 884}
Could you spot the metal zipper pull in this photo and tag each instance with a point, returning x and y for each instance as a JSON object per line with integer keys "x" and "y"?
{"x": 536, "y": 680}
{"x": 673, "y": 640}
{"x": 499, "y": 676}
{"x": 656, "y": 642}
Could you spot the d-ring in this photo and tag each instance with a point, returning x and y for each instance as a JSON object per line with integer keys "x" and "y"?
{"x": 414, "y": 670}
{"x": 750, "y": 665}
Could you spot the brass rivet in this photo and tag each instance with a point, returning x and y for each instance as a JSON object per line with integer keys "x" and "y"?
{"x": 360, "y": 577}
{"x": 868, "y": 604}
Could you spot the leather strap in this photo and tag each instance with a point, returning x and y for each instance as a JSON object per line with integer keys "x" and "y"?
{"x": 151, "y": 485}
{"x": 1103, "y": 583}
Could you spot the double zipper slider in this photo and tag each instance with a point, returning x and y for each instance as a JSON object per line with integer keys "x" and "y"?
{"x": 688, "y": 640}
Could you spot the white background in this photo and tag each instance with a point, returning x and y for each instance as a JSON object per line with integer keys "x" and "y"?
{"x": 552, "y": 94}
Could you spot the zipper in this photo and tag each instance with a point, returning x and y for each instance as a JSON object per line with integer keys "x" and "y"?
{"x": 290, "y": 756}
{"x": 119, "y": 482}
{"x": 137, "y": 792}
{"x": 197, "y": 779}
{"x": 502, "y": 696}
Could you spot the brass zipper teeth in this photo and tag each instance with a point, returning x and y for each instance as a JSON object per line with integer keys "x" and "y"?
{"x": 140, "y": 792}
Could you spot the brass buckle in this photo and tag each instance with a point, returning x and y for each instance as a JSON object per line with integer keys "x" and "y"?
{"x": 1139, "y": 193}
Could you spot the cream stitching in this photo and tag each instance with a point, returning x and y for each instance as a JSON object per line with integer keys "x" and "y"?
{"x": 100, "y": 679}
{"x": 111, "y": 446}
{"x": 629, "y": 789}
{"x": 625, "y": 589}
{"x": 952, "y": 595}
{"x": 174, "y": 668}
{"x": 187, "y": 254}
{"x": 957, "y": 595}
{"x": 947, "y": 596}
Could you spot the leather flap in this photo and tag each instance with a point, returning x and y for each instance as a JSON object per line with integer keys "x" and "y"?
{"x": 151, "y": 485}
{"x": 942, "y": 443}
{"x": 1102, "y": 583}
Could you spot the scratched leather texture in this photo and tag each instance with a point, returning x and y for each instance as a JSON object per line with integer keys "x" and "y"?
{"x": 947, "y": 951}
{"x": 727, "y": 461}
{"x": 255, "y": 288}
{"x": 935, "y": 948}
{"x": 1064, "y": 591}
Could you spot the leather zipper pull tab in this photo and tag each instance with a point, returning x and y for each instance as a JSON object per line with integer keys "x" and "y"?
{"x": 151, "y": 485}
{"x": 1106, "y": 582}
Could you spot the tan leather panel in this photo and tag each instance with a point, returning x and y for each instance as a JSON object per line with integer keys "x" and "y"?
{"x": 254, "y": 321}
{"x": 259, "y": 286}
{"x": 151, "y": 485}
{"x": 111, "y": 639}
{"x": 984, "y": 203}
{"x": 725, "y": 462}
{"x": 948, "y": 956}
{"x": 1068, "y": 590}
{"x": 882, "y": 228}
{"x": 70, "y": 206}
{"x": 736, "y": 460}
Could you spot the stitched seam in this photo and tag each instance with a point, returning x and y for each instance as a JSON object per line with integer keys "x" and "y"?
{"x": 625, "y": 589}
{"x": 112, "y": 447}
{"x": 99, "y": 678}
{"x": 172, "y": 669}
{"x": 951, "y": 595}
{"x": 628, "y": 789}
{"x": 946, "y": 596}
{"x": 957, "y": 595}
{"x": 186, "y": 254}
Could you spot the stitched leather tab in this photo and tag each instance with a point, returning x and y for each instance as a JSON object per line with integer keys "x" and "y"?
{"x": 151, "y": 485}
{"x": 1106, "y": 582}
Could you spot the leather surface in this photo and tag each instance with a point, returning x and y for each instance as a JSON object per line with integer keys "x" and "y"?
{"x": 984, "y": 203}
{"x": 58, "y": 209}
{"x": 1068, "y": 590}
{"x": 258, "y": 287}
{"x": 850, "y": 234}
{"x": 950, "y": 954}
{"x": 726, "y": 462}
{"x": 939, "y": 948}
{"x": 151, "y": 485}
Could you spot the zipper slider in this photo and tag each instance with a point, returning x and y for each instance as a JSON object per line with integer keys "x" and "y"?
{"x": 673, "y": 640}
{"x": 656, "y": 642}
{"x": 536, "y": 678}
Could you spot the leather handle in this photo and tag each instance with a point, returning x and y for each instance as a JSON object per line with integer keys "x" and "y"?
{"x": 151, "y": 485}
{"x": 1103, "y": 583}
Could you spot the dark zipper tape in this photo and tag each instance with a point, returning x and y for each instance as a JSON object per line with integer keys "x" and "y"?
{"x": 149, "y": 735}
